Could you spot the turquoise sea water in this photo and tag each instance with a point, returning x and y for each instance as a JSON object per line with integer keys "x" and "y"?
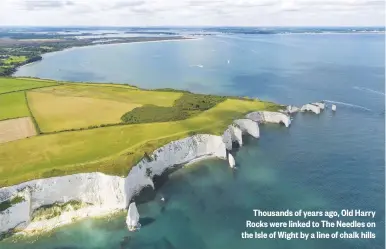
{"x": 328, "y": 162}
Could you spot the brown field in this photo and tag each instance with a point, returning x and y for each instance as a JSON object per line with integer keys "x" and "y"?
{"x": 15, "y": 129}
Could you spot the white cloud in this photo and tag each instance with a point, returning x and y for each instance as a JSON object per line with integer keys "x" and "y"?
{"x": 193, "y": 12}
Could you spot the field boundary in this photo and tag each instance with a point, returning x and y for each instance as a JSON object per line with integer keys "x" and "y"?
{"x": 37, "y": 128}
{"x": 23, "y": 90}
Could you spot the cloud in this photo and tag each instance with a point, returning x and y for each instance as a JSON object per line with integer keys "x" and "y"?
{"x": 193, "y": 12}
{"x": 46, "y": 4}
{"x": 126, "y": 4}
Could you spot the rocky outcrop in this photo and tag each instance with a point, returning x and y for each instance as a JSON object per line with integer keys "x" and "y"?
{"x": 231, "y": 159}
{"x": 270, "y": 117}
{"x": 321, "y": 105}
{"x": 232, "y": 134}
{"x": 249, "y": 127}
{"x": 292, "y": 109}
{"x": 310, "y": 108}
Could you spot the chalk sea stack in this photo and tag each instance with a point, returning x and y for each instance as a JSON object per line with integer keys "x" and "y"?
{"x": 321, "y": 105}
{"x": 310, "y": 108}
{"x": 232, "y": 162}
{"x": 132, "y": 219}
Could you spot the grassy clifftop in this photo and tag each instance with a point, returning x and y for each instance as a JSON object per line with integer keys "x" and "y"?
{"x": 113, "y": 149}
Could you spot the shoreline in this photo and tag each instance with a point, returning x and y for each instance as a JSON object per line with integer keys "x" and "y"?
{"x": 43, "y": 55}
{"x": 105, "y": 194}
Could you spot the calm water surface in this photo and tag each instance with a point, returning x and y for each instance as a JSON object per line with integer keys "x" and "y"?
{"x": 328, "y": 162}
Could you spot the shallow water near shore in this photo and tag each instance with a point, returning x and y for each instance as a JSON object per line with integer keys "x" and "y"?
{"x": 330, "y": 161}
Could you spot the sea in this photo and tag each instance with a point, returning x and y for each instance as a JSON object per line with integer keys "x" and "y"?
{"x": 329, "y": 162}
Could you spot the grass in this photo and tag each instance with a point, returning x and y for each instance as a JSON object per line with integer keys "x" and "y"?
{"x": 51, "y": 211}
{"x": 8, "y": 85}
{"x": 73, "y": 106}
{"x": 112, "y": 150}
{"x": 124, "y": 93}
{"x": 58, "y": 112}
{"x": 14, "y": 60}
{"x": 13, "y": 105}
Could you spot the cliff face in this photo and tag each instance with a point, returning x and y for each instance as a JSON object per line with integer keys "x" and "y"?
{"x": 17, "y": 216}
{"x": 173, "y": 154}
{"x": 269, "y": 117}
{"x": 232, "y": 134}
{"x": 248, "y": 126}
{"x": 102, "y": 193}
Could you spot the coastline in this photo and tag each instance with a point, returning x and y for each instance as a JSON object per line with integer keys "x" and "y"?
{"x": 43, "y": 55}
{"x": 106, "y": 194}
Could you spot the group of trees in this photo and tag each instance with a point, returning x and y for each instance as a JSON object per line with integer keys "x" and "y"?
{"x": 188, "y": 105}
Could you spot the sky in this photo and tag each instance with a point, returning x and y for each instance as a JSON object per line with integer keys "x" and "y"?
{"x": 192, "y": 12}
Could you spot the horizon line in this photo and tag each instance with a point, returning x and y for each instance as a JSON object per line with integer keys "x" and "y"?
{"x": 189, "y": 26}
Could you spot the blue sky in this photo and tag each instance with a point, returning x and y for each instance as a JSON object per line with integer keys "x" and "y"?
{"x": 193, "y": 12}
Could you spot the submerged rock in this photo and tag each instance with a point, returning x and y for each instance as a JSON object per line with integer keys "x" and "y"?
{"x": 132, "y": 219}
{"x": 333, "y": 107}
{"x": 231, "y": 160}
{"x": 311, "y": 108}
{"x": 248, "y": 126}
{"x": 269, "y": 117}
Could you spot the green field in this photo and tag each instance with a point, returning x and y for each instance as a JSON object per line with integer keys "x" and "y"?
{"x": 14, "y": 60}
{"x": 112, "y": 150}
{"x": 13, "y": 105}
{"x": 124, "y": 93}
{"x": 56, "y": 113}
{"x": 11, "y": 84}
{"x": 74, "y": 106}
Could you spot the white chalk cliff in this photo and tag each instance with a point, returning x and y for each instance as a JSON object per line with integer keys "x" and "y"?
{"x": 310, "y": 108}
{"x": 321, "y": 105}
{"x": 248, "y": 126}
{"x": 232, "y": 134}
{"x": 103, "y": 194}
{"x": 292, "y": 109}
{"x": 269, "y": 117}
